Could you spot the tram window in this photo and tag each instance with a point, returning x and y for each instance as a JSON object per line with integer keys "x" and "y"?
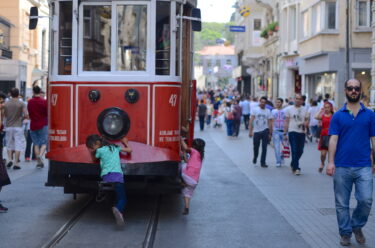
{"x": 178, "y": 42}
{"x": 97, "y": 38}
{"x": 132, "y": 37}
{"x": 65, "y": 39}
{"x": 163, "y": 38}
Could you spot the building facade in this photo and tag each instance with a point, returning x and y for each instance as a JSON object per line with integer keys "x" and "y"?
{"x": 318, "y": 46}
{"x": 217, "y": 64}
{"x": 335, "y": 45}
{"x": 24, "y": 52}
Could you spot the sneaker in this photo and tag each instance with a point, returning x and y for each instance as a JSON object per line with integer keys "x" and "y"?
{"x": 359, "y": 235}
{"x": 254, "y": 160}
{"x": 16, "y": 167}
{"x": 3, "y": 209}
{"x": 40, "y": 165}
{"x": 118, "y": 216}
{"x": 9, "y": 164}
{"x": 297, "y": 172}
{"x": 278, "y": 165}
{"x": 345, "y": 240}
{"x": 27, "y": 159}
{"x": 186, "y": 211}
{"x": 264, "y": 165}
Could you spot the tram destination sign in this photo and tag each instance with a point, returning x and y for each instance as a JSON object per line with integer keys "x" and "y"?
{"x": 237, "y": 28}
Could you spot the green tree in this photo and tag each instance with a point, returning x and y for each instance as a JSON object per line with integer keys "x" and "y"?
{"x": 211, "y": 31}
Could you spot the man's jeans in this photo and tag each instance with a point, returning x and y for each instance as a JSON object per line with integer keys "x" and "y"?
{"x": 297, "y": 143}
{"x": 261, "y": 136}
{"x": 201, "y": 121}
{"x": 343, "y": 180}
{"x": 277, "y": 141}
{"x": 246, "y": 119}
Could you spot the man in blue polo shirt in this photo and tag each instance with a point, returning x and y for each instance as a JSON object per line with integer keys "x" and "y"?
{"x": 351, "y": 130}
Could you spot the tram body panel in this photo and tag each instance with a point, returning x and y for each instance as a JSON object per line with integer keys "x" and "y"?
{"x": 166, "y": 122}
{"x": 60, "y": 102}
{"x": 113, "y": 96}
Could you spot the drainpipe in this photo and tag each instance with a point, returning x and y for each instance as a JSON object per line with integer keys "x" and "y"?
{"x": 347, "y": 40}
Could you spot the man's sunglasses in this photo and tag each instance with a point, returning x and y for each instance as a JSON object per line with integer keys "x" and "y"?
{"x": 351, "y": 88}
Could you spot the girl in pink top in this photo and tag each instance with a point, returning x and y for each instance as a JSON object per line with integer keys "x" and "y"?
{"x": 191, "y": 170}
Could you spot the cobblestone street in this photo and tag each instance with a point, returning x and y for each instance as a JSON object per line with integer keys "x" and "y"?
{"x": 306, "y": 201}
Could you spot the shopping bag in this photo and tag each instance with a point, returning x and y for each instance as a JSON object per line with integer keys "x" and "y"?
{"x": 285, "y": 149}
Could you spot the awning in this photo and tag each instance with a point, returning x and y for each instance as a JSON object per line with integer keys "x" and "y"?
{"x": 37, "y": 74}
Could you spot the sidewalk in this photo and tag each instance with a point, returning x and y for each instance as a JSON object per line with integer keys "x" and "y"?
{"x": 306, "y": 201}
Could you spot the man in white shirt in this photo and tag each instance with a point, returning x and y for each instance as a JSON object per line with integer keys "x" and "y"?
{"x": 260, "y": 128}
{"x": 245, "y": 106}
{"x": 296, "y": 123}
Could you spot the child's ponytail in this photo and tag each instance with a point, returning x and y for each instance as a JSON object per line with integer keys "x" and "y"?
{"x": 199, "y": 144}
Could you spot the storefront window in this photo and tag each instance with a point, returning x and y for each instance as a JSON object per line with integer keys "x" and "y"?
{"x": 97, "y": 38}
{"x": 364, "y": 76}
{"x": 132, "y": 37}
{"x": 163, "y": 38}
{"x": 323, "y": 84}
{"x": 65, "y": 39}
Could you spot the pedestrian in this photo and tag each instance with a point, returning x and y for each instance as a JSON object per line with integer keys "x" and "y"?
{"x": 4, "y": 178}
{"x": 261, "y": 130}
{"x": 352, "y": 127}
{"x": 202, "y": 112}
{"x": 237, "y": 114}
{"x": 38, "y": 111}
{"x": 210, "y": 109}
{"x": 14, "y": 113}
{"x": 296, "y": 123}
{"x": 325, "y": 116}
{"x": 111, "y": 171}
{"x": 278, "y": 122}
{"x": 229, "y": 118}
{"x": 245, "y": 107}
{"x": 313, "y": 122}
{"x": 191, "y": 170}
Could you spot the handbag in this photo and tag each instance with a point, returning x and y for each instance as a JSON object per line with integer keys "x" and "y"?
{"x": 324, "y": 142}
{"x": 230, "y": 116}
{"x": 4, "y": 178}
{"x": 285, "y": 149}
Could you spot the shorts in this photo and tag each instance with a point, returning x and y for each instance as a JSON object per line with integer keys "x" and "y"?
{"x": 40, "y": 136}
{"x": 190, "y": 184}
{"x": 15, "y": 139}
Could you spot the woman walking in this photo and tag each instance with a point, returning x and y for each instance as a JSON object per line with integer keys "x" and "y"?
{"x": 325, "y": 116}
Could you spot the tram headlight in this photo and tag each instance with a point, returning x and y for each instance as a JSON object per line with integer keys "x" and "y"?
{"x": 113, "y": 123}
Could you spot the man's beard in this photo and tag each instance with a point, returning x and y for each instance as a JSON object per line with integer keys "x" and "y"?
{"x": 353, "y": 100}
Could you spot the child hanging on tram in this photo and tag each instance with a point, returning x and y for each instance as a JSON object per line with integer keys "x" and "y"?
{"x": 111, "y": 172}
{"x": 191, "y": 170}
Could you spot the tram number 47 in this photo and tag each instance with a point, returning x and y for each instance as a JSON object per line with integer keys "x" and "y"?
{"x": 173, "y": 100}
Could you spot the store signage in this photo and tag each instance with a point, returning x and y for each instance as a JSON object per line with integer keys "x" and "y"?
{"x": 237, "y": 28}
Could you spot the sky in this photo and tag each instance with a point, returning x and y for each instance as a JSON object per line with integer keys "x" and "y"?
{"x": 216, "y": 10}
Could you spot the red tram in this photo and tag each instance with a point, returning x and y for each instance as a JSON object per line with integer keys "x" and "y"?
{"x": 119, "y": 68}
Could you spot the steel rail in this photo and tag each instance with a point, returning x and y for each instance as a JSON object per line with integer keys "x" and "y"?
{"x": 60, "y": 234}
{"x": 152, "y": 225}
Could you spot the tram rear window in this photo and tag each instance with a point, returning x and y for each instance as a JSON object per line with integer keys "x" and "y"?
{"x": 97, "y": 38}
{"x": 65, "y": 39}
{"x": 163, "y": 38}
{"x": 131, "y": 37}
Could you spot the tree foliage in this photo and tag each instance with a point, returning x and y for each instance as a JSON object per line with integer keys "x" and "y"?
{"x": 211, "y": 31}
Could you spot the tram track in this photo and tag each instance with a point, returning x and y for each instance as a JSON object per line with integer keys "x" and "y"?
{"x": 148, "y": 240}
